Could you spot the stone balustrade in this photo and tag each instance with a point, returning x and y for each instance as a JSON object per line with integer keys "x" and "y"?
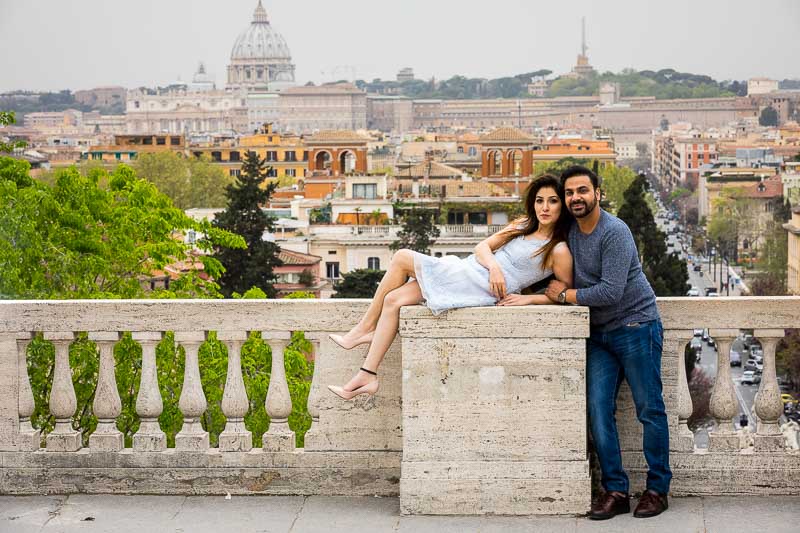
{"x": 484, "y": 408}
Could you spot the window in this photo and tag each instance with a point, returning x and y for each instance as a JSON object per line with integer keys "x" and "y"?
{"x": 161, "y": 141}
{"x": 272, "y": 155}
{"x": 367, "y": 191}
{"x": 174, "y": 141}
{"x": 305, "y": 155}
{"x": 272, "y": 172}
{"x": 290, "y": 156}
{"x": 235, "y": 156}
{"x": 291, "y": 172}
{"x": 332, "y": 270}
{"x": 147, "y": 140}
{"x": 331, "y": 252}
{"x": 374, "y": 263}
{"x": 235, "y": 172}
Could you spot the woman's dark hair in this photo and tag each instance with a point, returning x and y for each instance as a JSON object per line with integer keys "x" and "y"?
{"x": 578, "y": 170}
{"x": 529, "y": 224}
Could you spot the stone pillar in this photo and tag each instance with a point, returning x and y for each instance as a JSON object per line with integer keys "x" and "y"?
{"x": 768, "y": 404}
{"x": 28, "y": 439}
{"x": 675, "y": 342}
{"x": 315, "y": 393}
{"x": 62, "y": 398}
{"x": 149, "y": 438}
{"x": 107, "y": 404}
{"x": 335, "y": 168}
{"x": 278, "y": 438}
{"x": 485, "y": 170}
{"x": 495, "y": 424}
{"x": 504, "y": 163}
{"x": 723, "y": 404}
{"x": 235, "y": 437}
{"x": 192, "y": 437}
{"x": 9, "y": 391}
{"x": 527, "y": 163}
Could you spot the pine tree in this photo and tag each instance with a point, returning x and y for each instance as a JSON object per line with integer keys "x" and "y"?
{"x": 419, "y": 231}
{"x": 254, "y": 266}
{"x": 359, "y": 283}
{"x": 667, "y": 274}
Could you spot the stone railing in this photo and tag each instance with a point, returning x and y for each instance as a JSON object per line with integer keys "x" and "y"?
{"x": 351, "y": 448}
{"x": 728, "y": 465}
{"x": 484, "y": 408}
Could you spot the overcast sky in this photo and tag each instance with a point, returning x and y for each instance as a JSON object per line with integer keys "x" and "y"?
{"x": 80, "y": 44}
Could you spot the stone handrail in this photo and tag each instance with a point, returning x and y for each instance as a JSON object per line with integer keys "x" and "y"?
{"x": 475, "y": 403}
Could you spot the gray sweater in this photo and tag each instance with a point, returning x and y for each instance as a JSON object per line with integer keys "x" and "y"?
{"x": 609, "y": 277}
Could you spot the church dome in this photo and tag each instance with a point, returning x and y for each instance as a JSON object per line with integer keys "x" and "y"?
{"x": 260, "y": 41}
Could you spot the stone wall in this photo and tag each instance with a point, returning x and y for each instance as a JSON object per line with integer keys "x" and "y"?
{"x": 494, "y": 411}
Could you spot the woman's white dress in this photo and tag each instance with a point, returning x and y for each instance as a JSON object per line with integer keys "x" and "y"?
{"x": 450, "y": 282}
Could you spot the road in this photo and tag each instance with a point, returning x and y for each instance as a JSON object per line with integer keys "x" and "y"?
{"x": 701, "y": 280}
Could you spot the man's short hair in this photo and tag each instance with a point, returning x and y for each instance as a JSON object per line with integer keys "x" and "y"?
{"x": 578, "y": 170}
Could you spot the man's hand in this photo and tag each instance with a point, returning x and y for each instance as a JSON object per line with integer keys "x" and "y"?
{"x": 554, "y": 289}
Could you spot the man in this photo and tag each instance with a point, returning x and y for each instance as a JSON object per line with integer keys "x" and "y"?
{"x": 626, "y": 339}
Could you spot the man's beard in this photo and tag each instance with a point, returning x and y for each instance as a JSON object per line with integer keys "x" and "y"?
{"x": 588, "y": 208}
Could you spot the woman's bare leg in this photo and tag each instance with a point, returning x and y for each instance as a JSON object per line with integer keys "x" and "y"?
{"x": 386, "y": 330}
{"x": 400, "y": 268}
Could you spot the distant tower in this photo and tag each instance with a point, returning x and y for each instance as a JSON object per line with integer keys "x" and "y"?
{"x": 582, "y": 67}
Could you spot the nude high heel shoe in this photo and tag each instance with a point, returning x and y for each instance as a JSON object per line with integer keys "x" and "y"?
{"x": 339, "y": 339}
{"x": 369, "y": 389}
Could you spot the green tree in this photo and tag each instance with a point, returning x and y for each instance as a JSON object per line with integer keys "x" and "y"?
{"x": 195, "y": 182}
{"x": 787, "y": 358}
{"x": 768, "y": 117}
{"x": 244, "y": 216}
{"x": 81, "y": 239}
{"x": 7, "y": 118}
{"x": 360, "y": 283}
{"x": 666, "y": 273}
{"x": 419, "y": 231}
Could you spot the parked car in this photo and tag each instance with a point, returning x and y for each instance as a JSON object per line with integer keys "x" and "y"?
{"x": 757, "y": 351}
{"x": 693, "y": 292}
{"x": 750, "y": 378}
{"x": 750, "y": 365}
{"x": 709, "y": 290}
{"x": 787, "y": 398}
{"x": 736, "y": 358}
{"x": 698, "y": 267}
{"x": 713, "y": 294}
{"x": 698, "y": 332}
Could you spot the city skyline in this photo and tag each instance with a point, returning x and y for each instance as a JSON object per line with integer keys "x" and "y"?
{"x": 100, "y": 43}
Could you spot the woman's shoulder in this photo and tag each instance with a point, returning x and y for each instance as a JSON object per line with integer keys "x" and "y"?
{"x": 561, "y": 250}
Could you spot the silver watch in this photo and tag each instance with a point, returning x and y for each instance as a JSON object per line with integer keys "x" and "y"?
{"x": 562, "y": 296}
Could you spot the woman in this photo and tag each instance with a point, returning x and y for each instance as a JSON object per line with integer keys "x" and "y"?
{"x": 527, "y": 251}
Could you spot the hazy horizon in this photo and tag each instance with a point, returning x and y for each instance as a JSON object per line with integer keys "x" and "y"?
{"x": 55, "y": 45}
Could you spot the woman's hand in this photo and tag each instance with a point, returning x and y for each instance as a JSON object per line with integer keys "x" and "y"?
{"x": 514, "y": 299}
{"x": 497, "y": 282}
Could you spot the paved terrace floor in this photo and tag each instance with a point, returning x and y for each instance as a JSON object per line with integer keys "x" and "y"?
{"x": 279, "y": 514}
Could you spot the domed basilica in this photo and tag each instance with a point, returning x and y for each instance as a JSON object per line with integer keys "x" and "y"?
{"x": 260, "y": 59}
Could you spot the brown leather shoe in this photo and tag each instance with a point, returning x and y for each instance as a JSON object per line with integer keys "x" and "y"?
{"x": 610, "y": 505}
{"x": 651, "y": 504}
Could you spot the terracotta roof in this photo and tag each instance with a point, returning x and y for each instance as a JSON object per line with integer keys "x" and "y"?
{"x": 505, "y": 135}
{"x": 290, "y": 257}
{"x": 436, "y": 170}
{"x": 769, "y": 188}
{"x": 336, "y": 135}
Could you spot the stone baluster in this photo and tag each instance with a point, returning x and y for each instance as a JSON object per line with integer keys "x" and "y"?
{"x": 192, "y": 437}
{"x": 107, "y": 404}
{"x": 62, "y": 397}
{"x": 235, "y": 437}
{"x": 28, "y": 438}
{"x": 723, "y": 404}
{"x": 768, "y": 404}
{"x": 149, "y": 406}
{"x": 279, "y": 438}
{"x": 675, "y": 342}
{"x": 315, "y": 392}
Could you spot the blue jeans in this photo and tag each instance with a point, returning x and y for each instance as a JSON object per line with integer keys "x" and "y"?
{"x": 633, "y": 353}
